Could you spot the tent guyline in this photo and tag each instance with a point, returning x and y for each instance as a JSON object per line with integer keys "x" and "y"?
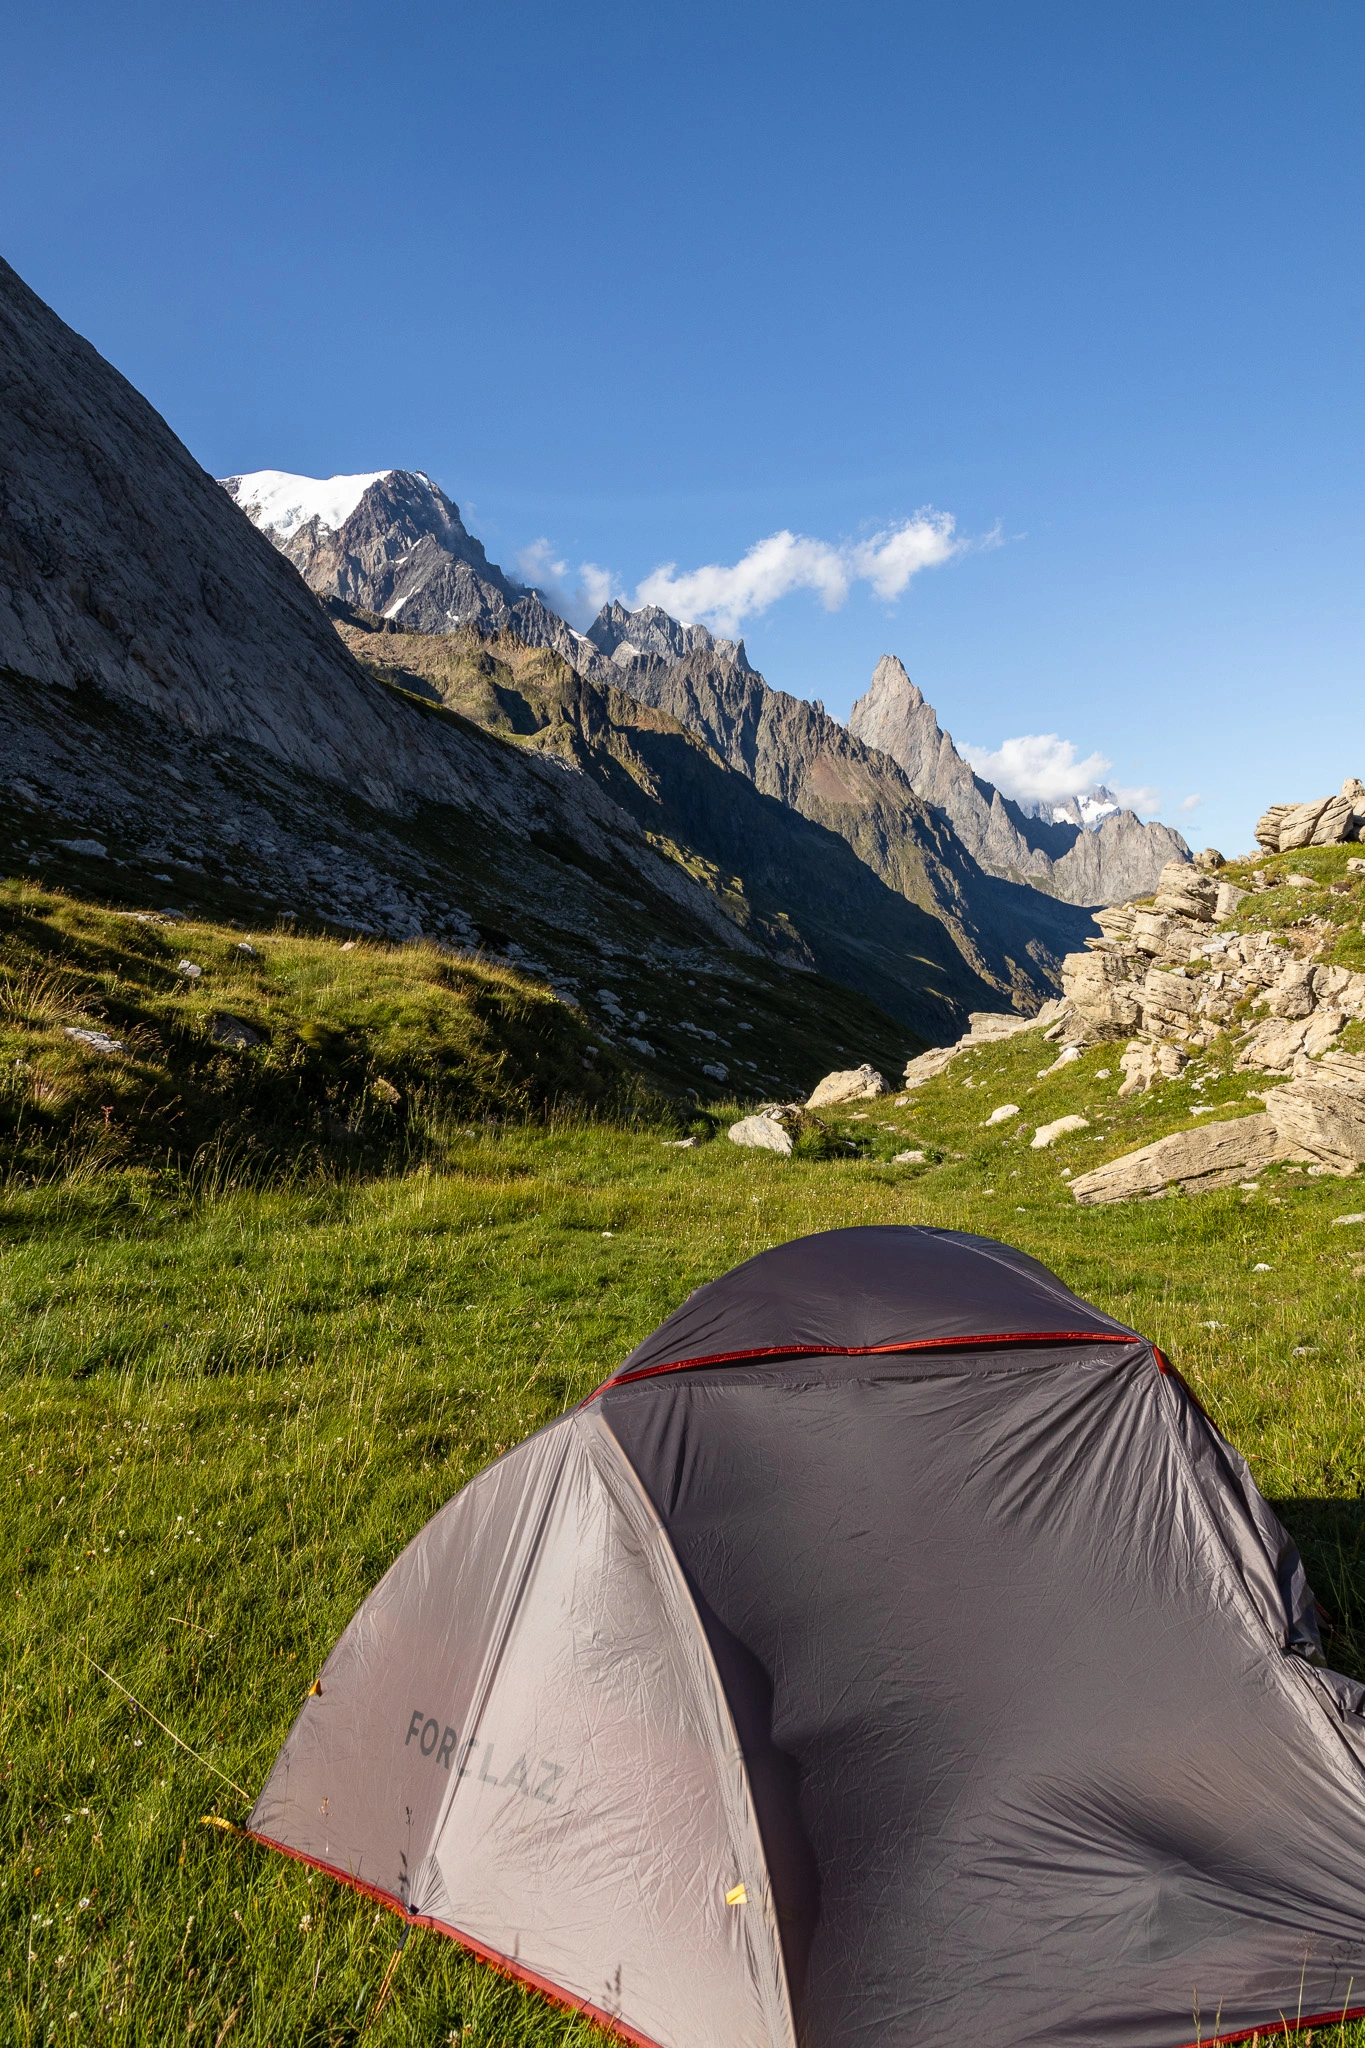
{"x": 890, "y": 1652}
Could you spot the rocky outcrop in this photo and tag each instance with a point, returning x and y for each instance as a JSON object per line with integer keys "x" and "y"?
{"x": 1322, "y": 1112}
{"x": 1167, "y": 972}
{"x": 1327, "y": 821}
{"x": 1210, "y": 1156}
{"x": 986, "y": 1028}
{"x": 1111, "y": 860}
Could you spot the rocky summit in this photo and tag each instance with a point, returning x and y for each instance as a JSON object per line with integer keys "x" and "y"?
{"x": 1085, "y": 853}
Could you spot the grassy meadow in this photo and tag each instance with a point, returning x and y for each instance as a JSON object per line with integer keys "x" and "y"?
{"x": 231, "y": 1393}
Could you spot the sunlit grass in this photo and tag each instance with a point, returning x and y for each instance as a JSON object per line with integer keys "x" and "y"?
{"x": 225, "y": 1413}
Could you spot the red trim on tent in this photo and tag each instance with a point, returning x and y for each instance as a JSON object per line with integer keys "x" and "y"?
{"x": 492, "y": 1956}
{"x": 1272, "y": 2029}
{"x": 646, "y": 1372}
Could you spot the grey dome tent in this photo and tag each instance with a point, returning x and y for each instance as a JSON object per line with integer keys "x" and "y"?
{"x": 890, "y": 1652}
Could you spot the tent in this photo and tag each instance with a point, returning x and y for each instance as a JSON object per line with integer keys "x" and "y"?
{"x": 891, "y": 1651}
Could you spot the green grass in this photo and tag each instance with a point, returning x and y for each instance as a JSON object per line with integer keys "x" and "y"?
{"x": 226, "y": 1409}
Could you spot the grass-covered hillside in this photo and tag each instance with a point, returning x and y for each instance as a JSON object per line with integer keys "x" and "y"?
{"x": 226, "y": 1409}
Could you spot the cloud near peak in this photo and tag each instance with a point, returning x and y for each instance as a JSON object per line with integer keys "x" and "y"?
{"x": 1042, "y": 767}
{"x": 724, "y": 596}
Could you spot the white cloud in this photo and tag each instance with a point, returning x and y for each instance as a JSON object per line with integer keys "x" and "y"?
{"x": 1038, "y": 767}
{"x": 1042, "y": 767}
{"x": 577, "y": 596}
{"x": 1143, "y": 799}
{"x": 724, "y": 596}
{"x": 1191, "y": 803}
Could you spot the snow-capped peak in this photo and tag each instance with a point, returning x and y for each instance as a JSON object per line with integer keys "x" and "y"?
{"x": 280, "y": 504}
{"x": 1088, "y": 808}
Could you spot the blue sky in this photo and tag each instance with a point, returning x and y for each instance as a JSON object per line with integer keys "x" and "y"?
{"x": 652, "y": 284}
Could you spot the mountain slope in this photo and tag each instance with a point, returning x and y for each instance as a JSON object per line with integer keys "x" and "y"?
{"x": 792, "y": 750}
{"x": 1011, "y": 940}
{"x": 1119, "y": 859}
{"x": 793, "y": 881}
{"x": 393, "y": 543}
{"x": 179, "y": 722}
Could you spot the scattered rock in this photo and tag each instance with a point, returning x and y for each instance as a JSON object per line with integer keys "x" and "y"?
{"x": 1356, "y": 1216}
{"x": 1048, "y": 1134}
{"x": 1261, "y": 1267}
{"x": 91, "y": 848}
{"x": 764, "y": 1131}
{"x": 245, "y": 947}
{"x": 98, "y": 1041}
{"x": 854, "y": 1084}
{"x": 1209, "y": 861}
{"x": 1003, "y": 1114}
{"x": 1143, "y": 1064}
{"x": 226, "y": 1030}
{"x": 908, "y": 1159}
{"x": 1229, "y": 896}
{"x": 1210, "y": 1156}
{"x": 1067, "y": 1058}
{"x": 690, "y": 1144}
{"x": 717, "y": 1072}
{"x": 188, "y": 969}
{"x": 1355, "y": 867}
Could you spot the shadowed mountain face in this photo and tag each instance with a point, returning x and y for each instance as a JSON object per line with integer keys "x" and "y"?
{"x": 395, "y": 546}
{"x": 792, "y": 750}
{"x": 823, "y": 838}
{"x": 1111, "y": 863}
{"x": 180, "y": 721}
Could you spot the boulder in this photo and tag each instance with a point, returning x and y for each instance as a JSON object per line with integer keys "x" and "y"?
{"x": 988, "y": 1024}
{"x": 1048, "y": 1134}
{"x": 1327, "y": 821}
{"x": 1229, "y": 896}
{"x": 1268, "y": 826}
{"x": 1209, "y": 861}
{"x": 854, "y": 1084}
{"x": 1298, "y": 824}
{"x": 1322, "y": 1112}
{"x": 226, "y": 1030}
{"x": 1183, "y": 892}
{"x": 1169, "y": 1003}
{"x": 926, "y": 1065}
{"x": 1209, "y": 1156}
{"x": 1144, "y": 1064}
{"x": 1335, "y": 822}
{"x": 763, "y": 1130}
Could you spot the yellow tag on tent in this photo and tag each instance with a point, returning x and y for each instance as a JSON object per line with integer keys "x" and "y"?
{"x": 736, "y": 1896}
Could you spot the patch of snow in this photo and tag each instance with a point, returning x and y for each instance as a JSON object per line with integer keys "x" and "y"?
{"x": 280, "y": 503}
{"x": 397, "y": 605}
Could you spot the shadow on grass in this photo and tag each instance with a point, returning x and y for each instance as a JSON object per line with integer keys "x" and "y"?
{"x": 1330, "y": 1534}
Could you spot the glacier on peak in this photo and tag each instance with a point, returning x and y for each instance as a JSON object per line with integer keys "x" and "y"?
{"x": 280, "y": 503}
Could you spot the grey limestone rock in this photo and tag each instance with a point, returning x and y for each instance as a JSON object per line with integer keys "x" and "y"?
{"x": 765, "y": 1131}
{"x": 854, "y": 1084}
{"x": 1321, "y": 1113}
{"x": 1118, "y": 859}
{"x": 1209, "y": 1156}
